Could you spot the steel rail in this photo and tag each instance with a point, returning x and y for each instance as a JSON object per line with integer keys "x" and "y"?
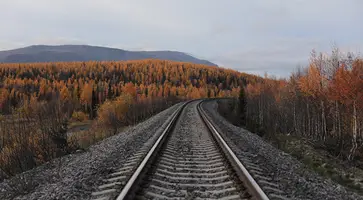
{"x": 239, "y": 168}
{"x": 129, "y": 190}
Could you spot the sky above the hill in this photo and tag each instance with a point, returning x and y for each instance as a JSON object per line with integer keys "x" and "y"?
{"x": 255, "y": 36}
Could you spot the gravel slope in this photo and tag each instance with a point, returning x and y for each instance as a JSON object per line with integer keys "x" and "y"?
{"x": 80, "y": 174}
{"x": 297, "y": 181}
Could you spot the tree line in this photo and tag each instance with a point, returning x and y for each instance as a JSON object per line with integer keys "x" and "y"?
{"x": 88, "y": 84}
{"x": 323, "y": 102}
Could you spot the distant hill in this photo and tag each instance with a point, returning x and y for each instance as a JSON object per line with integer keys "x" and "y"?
{"x": 45, "y": 53}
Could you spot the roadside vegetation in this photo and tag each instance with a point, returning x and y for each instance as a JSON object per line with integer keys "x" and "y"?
{"x": 49, "y": 110}
{"x": 316, "y": 115}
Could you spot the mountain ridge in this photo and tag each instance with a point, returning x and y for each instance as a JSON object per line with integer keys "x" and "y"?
{"x": 65, "y": 53}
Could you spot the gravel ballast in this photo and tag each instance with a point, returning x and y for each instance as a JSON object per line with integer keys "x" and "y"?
{"x": 79, "y": 174}
{"x": 190, "y": 166}
{"x": 293, "y": 177}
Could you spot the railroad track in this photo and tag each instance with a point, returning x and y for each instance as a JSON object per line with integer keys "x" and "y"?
{"x": 188, "y": 160}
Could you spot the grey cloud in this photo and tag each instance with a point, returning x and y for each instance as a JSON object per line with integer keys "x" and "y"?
{"x": 254, "y": 36}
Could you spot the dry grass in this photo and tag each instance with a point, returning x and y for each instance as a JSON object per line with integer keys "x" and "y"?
{"x": 82, "y": 139}
{"x": 320, "y": 161}
{"x": 74, "y": 124}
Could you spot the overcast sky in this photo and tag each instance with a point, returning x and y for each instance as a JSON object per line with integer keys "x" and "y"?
{"x": 253, "y": 36}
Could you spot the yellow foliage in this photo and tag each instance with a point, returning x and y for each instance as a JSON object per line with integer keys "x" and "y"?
{"x": 79, "y": 116}
{"x": 65, "y": 94}
{"x": 112, "y": 112}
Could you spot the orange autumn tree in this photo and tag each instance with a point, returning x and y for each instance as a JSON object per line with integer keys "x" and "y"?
{"x": 130, "y": 89}
{"x": 112, "y": 113}
{"x": 314, "y": 86}
{"x": 322, "y": 103}
{"x": 347, "y": 88}
{"x": 86, "y": 98}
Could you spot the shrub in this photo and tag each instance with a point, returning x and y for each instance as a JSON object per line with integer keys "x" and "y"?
{"x": 112, "y": 114}
{"x": 79, "y": 116}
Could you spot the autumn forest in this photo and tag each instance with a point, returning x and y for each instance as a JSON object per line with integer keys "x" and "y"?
{"x": 322, "y": 102}
{"x": 39, "y": 102}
